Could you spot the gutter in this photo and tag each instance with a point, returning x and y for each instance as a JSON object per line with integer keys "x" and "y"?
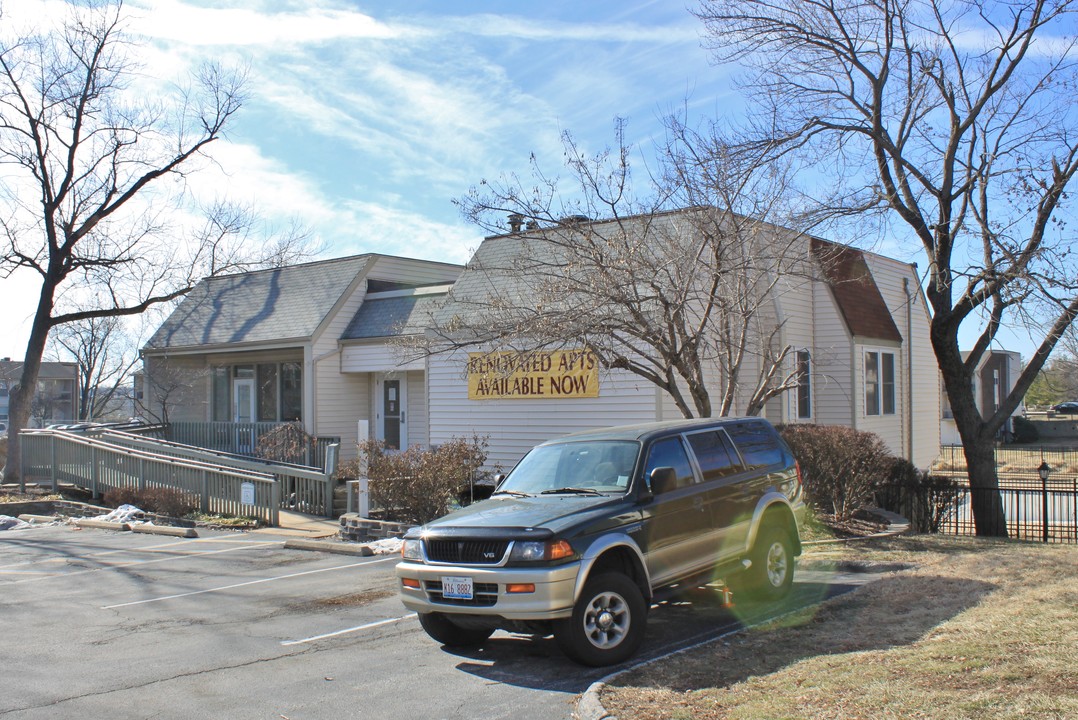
{"x": 909, "y": 368}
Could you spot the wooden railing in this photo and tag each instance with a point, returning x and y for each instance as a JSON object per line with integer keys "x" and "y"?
{"x": 97, "y": 465}
{"x": 303, "y": 489}
{"x": 242, "y": 439}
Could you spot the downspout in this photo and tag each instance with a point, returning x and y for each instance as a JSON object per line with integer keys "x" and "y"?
{"x": 909, "y": 368}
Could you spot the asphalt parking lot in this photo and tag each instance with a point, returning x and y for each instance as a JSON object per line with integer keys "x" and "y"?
{"x": 99, "y": 623}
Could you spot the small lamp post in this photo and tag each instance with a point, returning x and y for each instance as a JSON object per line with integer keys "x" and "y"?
{"x": 1044, "y": 471}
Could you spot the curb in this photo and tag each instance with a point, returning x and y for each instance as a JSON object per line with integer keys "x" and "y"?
{"x": 589, "y": 706}
{"x": 328, "y": 546}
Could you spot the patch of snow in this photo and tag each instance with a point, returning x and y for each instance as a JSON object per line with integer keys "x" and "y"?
{"x": 388, "y": 546}
{"x": 123, "y": 514}
{"x": 9, "y": 523}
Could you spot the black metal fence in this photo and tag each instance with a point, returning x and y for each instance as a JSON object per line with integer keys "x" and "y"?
{"x": 1033, "y": 509}
{"x": 1018, "y": 459}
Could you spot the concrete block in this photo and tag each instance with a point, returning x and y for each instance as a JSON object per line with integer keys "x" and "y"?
{"x": 27, "y": 517}
{"x": 163, "y": 530}
{"x": 101, "y": 524}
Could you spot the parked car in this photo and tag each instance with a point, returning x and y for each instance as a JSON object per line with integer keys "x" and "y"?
{"x": 586, "y": 528}
{"x": 1066, "y": 408}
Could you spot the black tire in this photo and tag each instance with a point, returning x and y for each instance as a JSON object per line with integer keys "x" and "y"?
{"x": 448, "y": 633}
{"x": 772, "y": 572}
{"x": 607, "y": 624}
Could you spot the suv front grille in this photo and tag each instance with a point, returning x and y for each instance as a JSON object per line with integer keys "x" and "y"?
{"x": 483, "y": 594}
{"x": 466, "y": 552}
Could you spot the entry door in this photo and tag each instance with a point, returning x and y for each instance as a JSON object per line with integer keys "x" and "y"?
{"x": 243, "y": 400}
{"x": 391, "y": 425}
{"x": 243, "y": 403}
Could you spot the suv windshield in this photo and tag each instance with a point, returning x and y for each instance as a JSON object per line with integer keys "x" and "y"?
{"x": 574, "y": 467}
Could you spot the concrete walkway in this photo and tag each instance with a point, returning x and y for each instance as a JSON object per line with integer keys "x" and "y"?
{"x": 300, "y": 525}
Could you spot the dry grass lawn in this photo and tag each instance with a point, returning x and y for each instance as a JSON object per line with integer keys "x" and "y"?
{"x": 974, "y": 629}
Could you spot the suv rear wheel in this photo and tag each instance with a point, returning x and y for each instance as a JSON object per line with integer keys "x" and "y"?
{"x": 607, "y": 625}
{"x": 448, "y": 633}
{"x": 772, "y": 572}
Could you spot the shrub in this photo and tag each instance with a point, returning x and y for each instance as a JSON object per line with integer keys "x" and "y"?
{"x": 163, "y": 501}
{"x": 841, "y": 467}
{"x": 286, "y": 443}
{"x": 416, "y": 485}
{"x": 926, "y": 501}
{"x": 1025, "y": 431}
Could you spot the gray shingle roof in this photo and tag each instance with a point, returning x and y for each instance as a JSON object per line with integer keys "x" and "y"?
{"x": 392, "y": 316}
{"x": 262, "y": 306}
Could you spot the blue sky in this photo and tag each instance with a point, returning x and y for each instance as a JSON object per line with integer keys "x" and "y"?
{"x": 366, "y": 119}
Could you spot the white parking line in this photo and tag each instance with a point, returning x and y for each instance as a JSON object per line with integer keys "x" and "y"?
{"x": 169, "y": 545}
{"x": 394, "y": 558}
{"x": 144, "y": 562}
{"x": 357, "y": 628}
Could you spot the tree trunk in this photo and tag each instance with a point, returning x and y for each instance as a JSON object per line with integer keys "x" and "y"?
{"x": 978, "y": 437}
{"x": 22, "y": 401}
{"x": 985, "y": 499}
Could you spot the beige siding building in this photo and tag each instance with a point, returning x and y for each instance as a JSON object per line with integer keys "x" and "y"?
{"x": 287, "y": 344}
{"x": 321, "y": 343}
{"x": 858, "y": 327}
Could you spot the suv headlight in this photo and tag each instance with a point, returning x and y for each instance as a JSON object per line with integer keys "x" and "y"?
{"x": 538, "y": 551}
{"x": 412, "y": 549}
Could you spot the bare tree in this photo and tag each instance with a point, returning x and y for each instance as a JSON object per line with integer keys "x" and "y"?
{"x": 682, "y": 298}
{"x": 951, "y": 123}
{"x": 105, "y": 357}
{"x": 168, "y": 385}
{"x": 1058, "y": 379}
{"x": 91, "y": 169}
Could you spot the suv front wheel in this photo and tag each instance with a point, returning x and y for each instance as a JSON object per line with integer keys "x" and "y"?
{"x": 607, "y": 624}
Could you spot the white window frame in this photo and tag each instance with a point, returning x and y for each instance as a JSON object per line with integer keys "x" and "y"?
{"x": 884, "y": 390}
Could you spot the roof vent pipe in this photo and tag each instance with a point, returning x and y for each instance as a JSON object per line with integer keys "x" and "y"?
{"x": 516, "y": 221}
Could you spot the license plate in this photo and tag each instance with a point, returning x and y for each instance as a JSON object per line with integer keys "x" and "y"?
{"x": 457, "y": 588}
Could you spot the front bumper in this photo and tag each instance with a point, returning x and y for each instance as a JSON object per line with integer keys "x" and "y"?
{"x": 553, "y": 596}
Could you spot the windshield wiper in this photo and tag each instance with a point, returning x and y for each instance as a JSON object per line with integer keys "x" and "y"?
{"x": 579, "y": 491}
{"x": 514, "y": 493}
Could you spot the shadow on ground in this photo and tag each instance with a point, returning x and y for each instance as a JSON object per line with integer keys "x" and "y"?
{"x": 894, "y": 611}
{"x": 684, "y": 620}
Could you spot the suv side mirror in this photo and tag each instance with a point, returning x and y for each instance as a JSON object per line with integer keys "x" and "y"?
{"x": 663, "y": 479}
{"x": 498, "y": 480}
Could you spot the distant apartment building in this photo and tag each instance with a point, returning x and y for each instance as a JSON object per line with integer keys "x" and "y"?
{"x": 992, "y": 381}
{"x": 56, "y": 399}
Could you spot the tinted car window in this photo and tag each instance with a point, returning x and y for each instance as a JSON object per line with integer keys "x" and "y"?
{"x": 713, "y": 455}
{"x": 669, "y": 453}
{"x": 757, "y": 442}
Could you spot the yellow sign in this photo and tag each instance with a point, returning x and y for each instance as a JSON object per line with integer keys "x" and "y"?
{"x": 534, "y": 375}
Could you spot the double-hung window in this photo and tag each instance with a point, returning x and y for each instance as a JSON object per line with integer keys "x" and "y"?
{"x": 804, "y": 384}
{"x": 879, "y": 383}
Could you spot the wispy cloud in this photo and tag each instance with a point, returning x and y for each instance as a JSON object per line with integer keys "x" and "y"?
{"x": 251, "y": 24}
